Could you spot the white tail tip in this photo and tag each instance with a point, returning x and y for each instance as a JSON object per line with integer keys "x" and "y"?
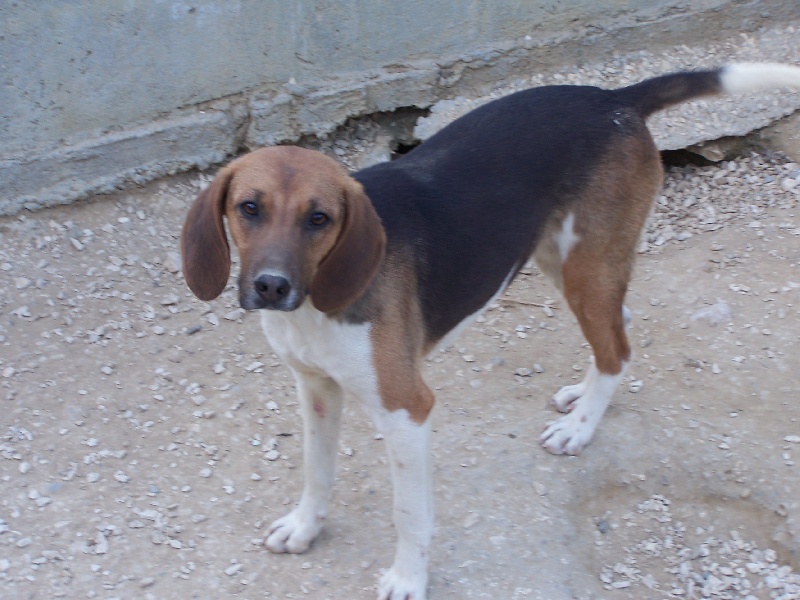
{"x": 751, "y": 77}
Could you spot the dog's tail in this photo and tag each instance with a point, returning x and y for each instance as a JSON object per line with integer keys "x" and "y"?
{"x": 659, "y": 93}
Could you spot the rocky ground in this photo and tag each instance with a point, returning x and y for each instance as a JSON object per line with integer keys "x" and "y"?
{"x": 147, "y": 439}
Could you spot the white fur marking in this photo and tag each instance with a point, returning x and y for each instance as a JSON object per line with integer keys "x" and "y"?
{"x": 408, "y": 446}
{"x": 586, "y": 403}
{"x": 329, "y": 357}
{"x": 567, "y": 238}
{"x": 321, "y": 406}
{"x": 308, "y": 340}
{"x": 752, "y": 77}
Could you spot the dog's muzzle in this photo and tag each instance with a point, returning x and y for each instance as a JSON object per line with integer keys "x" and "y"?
{"x": 271, "y": 291}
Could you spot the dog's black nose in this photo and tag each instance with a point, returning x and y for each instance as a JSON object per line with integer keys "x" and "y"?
{"x": 272, "y": 288}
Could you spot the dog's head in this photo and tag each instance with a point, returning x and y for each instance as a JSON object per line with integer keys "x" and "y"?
{"x": 302, "y": 227}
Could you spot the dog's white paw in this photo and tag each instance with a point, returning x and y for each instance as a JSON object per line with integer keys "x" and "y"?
{"x": 568, "y": 435}
{"x": 397, "y": 587}
{"x": 292, "y": 533}
{"x": 565, "y": 398}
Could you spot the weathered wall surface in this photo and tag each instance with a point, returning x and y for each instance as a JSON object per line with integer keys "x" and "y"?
{"x": 95, "y": 94}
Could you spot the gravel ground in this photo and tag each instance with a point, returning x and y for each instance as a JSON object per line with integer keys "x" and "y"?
{"x": 147, "y": 439}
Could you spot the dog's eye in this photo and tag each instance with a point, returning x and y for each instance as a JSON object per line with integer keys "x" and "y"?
{"x": 318, "y": 219}
{"x": 249, "y": 208}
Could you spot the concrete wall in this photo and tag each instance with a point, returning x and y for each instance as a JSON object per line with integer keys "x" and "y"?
{"x": 95, "y": 94}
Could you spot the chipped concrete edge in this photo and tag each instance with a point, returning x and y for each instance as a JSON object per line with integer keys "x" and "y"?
{"x": 210, "y": 134}
{"x": 113, "y": 161}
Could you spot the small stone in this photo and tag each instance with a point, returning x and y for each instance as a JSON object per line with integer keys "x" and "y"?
{"x": 100, "y": 543}
{"x": 715, "y": 314}
{"x": 272, "y": 455}
{"x": 233, "y": 569}
{"x": 92, "y": 477}
{"x": 22, "y": 311}
{"x": 121, "y": 477}
{"x": 524, "y": 372}
{"x": 205, "y": 473}
{"x": 172, "y": 262}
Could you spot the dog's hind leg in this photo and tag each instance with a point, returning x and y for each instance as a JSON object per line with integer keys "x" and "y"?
{"x": 589, "y": 254}
{"x": 596, "y": 299}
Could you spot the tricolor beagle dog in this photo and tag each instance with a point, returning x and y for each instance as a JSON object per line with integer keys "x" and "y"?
{"x": 358, "y": 277}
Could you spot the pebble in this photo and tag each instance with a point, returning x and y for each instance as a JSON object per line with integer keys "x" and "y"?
{"x": 715, "y": 314}
{"x": 172, "y": 262}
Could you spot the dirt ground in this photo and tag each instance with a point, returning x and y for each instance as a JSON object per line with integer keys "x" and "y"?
{"x": 147, "y": 439}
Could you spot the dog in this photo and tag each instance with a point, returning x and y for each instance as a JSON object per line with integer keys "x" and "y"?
{"x": 358, "y": 277}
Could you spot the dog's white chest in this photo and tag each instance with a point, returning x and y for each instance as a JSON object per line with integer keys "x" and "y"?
{"x": 306, "y": 339}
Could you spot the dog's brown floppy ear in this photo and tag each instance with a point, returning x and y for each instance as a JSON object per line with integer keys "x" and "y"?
{"x": 204, "y": 247}
{"x": 349, "y": 267}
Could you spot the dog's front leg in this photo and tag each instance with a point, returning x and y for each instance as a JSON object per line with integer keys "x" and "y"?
{"x": 408, "y": 447}
{"x": 321, "y": 407}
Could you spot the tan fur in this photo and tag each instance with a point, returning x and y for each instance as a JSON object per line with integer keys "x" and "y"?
{"x": 398, "y": 337}
{"x": 596, "y": 273}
